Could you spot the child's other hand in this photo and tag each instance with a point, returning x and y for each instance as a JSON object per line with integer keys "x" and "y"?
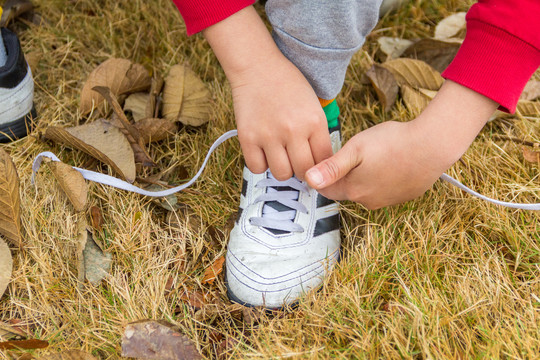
{"x": 381, "y": 166}
{"x": 281, "y": 124}
{"x": 393, "y": 162}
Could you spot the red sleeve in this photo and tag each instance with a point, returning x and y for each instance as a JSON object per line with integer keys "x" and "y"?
{"x": 501, "y": 50}
{"x": 200, "y": 14}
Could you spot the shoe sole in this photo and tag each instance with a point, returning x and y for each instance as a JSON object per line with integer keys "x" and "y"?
{"x": 19, "y": 128}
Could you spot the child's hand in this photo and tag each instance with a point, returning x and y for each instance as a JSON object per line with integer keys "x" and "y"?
{"x": 394, "y": 162}
{"x": 281, "y": 125}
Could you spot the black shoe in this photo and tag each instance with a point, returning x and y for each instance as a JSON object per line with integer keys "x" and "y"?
{"x": 16, "y": 92}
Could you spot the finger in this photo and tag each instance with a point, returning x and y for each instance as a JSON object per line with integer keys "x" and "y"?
{"x": 300, "y": 157}
{"x": 255, "y": 159}
{"x": 336, "y": 191}
{"x": 278, "y": 162}
{"x": 321, "y": 146}
{"x": 334, "y": 168}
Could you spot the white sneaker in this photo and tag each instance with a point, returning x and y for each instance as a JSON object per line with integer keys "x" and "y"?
{"x": 16, "y": 91}
{"x": 285, "y": 241}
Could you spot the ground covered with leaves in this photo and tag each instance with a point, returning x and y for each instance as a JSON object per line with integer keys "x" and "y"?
{"x": 444, "y": 276}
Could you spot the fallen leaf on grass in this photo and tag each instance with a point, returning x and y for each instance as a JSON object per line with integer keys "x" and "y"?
{"x": 196, "y": 299}
{"x": 393, "y": 47}
{"x": 72, "y": 183}
{"x": 136, "y": 104}
{"x": 532, "y": 156}
{"x": 185, "y": 97}
{"x": 120, "y": 75}
{"x": 99, "y": 139}
{"x": 150, "y": 339}
{"x": 415, "y": 73}
{"x": 252, "y": 315}
{"x": 10, "y": 207}
{"x": 23, "y": 344}
{"x": 531, "y": 91}
{"x": 13, "y": 9}
{"x": 94, "y": 264}
{"x": 6, "y": 266}
{"x": 415, "y": 101}
{"x": 68, "y": 355}
{"x": 167, "y": 202}
{"x": 97, "y": 218}
{"x": 131, "y": 133}
{"x": 211, "y": 273}
{"x": 225, "y": 347}
{"x": 153, "y": 129}
{"x": 436, "y": 53}
{"x": 451, "y": 26}
{"x": 8, "y": 332}
{"x": 385, "y": 85}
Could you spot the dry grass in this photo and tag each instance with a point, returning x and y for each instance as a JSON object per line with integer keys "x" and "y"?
{"x": 443, "y": 277}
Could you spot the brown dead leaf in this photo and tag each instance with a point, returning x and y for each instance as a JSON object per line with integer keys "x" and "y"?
{"x": 196, "y": 299}
{"x": 211, "y": 273}
{"x": 136, "y": 103}
{"x": 528, "y": 108}
{"x": 10, "y": 211}
{"x": 13, "y": 9}
{"x": 415, "y": 101}
{"x": 94, "y": 264}
{"x": 23, "y": 344}
{"x": 150, "y": 339}
{"x": 120, "y": 75}
{"x": 225, "y": 347}
{"x": 97, "y": 218}
{"x": 531, "y": 155}
{"x": 131, "y": 133}
{"x": 68, "y": 355}
{"x": 531, "y": 91}
{"x": 436, "y": 53}
{"x": 252, "y": 315}
{"x": 451, "y": 26}
{"x": 7, "y": 331}
{"x": 72, "y": 183}
{"x": 6, "y": 266}
{"x": 153, "y": 129}
{"x": 393, "y": 47}
{"x": 185, "y": 97}
{"x": 385, "y": 85}
{"x": 415, "y": 73}
{"x": 99, "y": 139}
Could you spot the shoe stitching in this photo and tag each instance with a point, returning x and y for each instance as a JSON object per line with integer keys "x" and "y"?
{"x": 330, "y": 257}
{"x": 273, "y": 291}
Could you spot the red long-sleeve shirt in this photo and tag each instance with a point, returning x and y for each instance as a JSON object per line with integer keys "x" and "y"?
{"x": 498, "y": 56}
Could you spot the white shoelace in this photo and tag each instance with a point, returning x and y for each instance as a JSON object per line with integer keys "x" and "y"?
{"x": 121, "y": 184}
{"x": 285, "y": 193}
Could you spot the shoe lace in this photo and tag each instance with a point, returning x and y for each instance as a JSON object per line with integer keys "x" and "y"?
{"x": 282, "y": 198}
{"x": 280, "y": 204}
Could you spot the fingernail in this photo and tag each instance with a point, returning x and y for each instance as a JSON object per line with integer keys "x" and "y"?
{"x": 315, "y": 176}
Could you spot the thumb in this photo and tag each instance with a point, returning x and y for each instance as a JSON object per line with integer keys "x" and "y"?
{"x": 332, "y": 169}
